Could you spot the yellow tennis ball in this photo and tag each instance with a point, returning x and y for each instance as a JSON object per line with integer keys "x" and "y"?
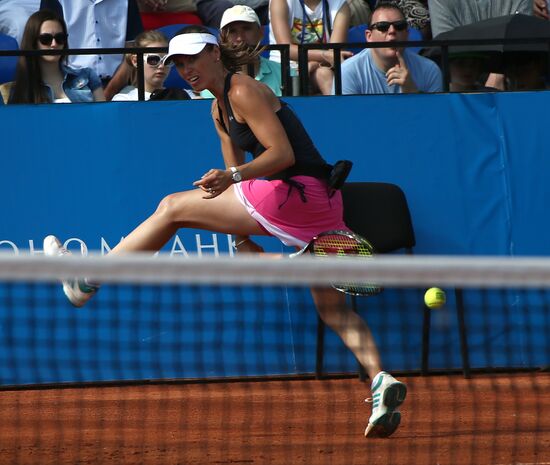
{"x": 435, "y": 298}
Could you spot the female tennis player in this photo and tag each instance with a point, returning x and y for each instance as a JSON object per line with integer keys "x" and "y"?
{"x": 283, "y": 191}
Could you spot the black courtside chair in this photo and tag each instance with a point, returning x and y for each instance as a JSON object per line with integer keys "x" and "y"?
{"x": 380, "y": 213}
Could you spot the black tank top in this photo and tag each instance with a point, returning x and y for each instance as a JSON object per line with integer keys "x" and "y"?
{"x": 308, "y": 160}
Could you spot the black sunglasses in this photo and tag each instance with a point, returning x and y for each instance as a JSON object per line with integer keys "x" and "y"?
{"x": 47, "y": 39}
{"x": 384, "y": 26}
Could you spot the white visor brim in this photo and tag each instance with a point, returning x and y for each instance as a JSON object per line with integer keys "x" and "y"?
{"x": 189, "y": 44}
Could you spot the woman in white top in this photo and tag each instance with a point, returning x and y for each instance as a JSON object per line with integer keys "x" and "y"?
{"x": 155, "y": 71}
{"x": 298, "y": 22}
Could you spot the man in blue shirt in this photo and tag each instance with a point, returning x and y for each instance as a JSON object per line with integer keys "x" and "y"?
{"x": 389, "y": 70}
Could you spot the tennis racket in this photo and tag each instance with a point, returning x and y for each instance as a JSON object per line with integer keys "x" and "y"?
{"x": 343, "y": 244}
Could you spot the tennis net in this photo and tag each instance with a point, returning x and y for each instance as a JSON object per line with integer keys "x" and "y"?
{"x": 221, "y": 360}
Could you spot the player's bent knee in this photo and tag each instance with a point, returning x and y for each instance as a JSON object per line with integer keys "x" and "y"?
{"x": 169, "y": 207}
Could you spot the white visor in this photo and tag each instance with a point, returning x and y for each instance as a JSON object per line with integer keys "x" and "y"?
{"x": 189, "y": 44}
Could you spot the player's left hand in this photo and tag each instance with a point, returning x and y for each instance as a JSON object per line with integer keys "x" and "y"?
{"x": 214, "y": 182}
{"x": 399, "y": 76}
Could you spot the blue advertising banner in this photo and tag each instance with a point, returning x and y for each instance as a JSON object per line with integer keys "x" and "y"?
{"x": 472, "y": 166}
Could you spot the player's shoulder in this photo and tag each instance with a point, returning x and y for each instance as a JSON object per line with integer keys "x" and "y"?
{"x": 241, "y": 80}
{"x": 244, "y": 87}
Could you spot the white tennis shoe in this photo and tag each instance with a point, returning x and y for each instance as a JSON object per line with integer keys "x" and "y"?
{"x": 387, "y": 395}
{"x": 78, "y": 291}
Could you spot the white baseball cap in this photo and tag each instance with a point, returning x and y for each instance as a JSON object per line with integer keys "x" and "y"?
{"x": 188, "y": 44}
{"x": 239, "y": 13}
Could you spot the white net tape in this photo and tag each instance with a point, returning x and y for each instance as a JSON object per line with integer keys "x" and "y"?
{"x": 387, "y": 270}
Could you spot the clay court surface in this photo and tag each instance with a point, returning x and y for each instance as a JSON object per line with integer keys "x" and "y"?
{"x": 490, "y": 419}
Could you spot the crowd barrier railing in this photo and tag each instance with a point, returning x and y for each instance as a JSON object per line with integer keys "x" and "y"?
{"x": 445, "y": 47}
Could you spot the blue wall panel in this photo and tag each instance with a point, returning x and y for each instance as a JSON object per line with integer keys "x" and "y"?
{"x": 473, "y": 167}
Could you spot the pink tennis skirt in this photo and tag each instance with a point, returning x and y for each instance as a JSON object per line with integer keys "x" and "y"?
{"x": 279, "y": 209}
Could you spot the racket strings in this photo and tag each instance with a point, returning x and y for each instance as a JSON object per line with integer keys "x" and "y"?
{"x": 346, "y": 245}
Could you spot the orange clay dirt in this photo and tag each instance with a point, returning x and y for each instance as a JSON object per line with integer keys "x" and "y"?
{"x": 447, "y": 420}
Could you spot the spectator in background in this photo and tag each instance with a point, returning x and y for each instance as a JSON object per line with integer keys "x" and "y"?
{"x": 158, "y": 13}
{"x": 418, "y": 16}
{"x": 152, "y": 5}
{"x": 541, "y": 8}
{"x": 101, "y": 24}
{"x": 389, "y": 70}
{"x": 211, "y": 11}
{"x": 298, "y": 22}
{"x": 360, "y": 12}
{"x": 240, "y": 25}
{"x": 154, "y": 72}
{"x": 48, "y": 78}
{"x": 167, "y": 5}
{"x": 525, "y": 70}
{"x": 448, "y": 14}
{"x": 14, "y": 15}
{"x": 466, "y": 70}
